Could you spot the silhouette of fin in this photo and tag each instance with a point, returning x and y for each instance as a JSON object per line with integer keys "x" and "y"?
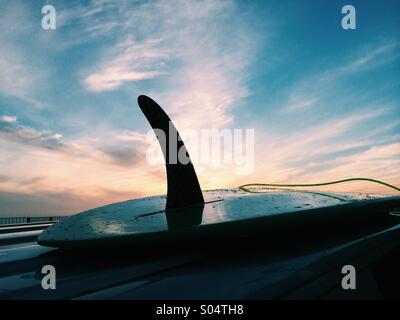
{"x": 183, "y": 186}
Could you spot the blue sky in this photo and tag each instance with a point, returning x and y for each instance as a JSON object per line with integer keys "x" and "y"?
{"x": 323, "y": 101}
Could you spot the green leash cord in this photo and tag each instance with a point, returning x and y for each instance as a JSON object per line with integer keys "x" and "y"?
{"x": 245, "y": 186}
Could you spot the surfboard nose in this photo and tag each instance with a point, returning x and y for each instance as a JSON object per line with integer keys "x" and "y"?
{"x": 183, "y": 185}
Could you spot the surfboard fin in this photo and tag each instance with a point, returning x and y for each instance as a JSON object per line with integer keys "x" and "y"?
{"x": 183, "y": 186}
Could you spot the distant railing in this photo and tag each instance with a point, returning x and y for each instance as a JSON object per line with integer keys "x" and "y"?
{"x": 23, "y": 220}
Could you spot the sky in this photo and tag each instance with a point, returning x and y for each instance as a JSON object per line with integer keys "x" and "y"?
{"x": 323, "y": 101}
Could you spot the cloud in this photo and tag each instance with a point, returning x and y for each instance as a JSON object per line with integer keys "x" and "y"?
{"x": 133, "y": 62}
{"x": 342, "y": 146}
{"x": 372, "y": 58}
{"x": 300, "y": 104}
{"x": 317, "y": 87}
{"x": 4, "y": 178}
{"x": 125, "y": 149}
{"x": 124, "y": 155}
{"x": 335, "y": 149}
{"x": 92, "y": 18}
{"x": 8, "y": 119}
{"x": 20, "y": 71}
{"x": 11, "y": 131}
{"x": 377, "y": 161}
{"x": 200, "y": 68}
{"x": 17, "y": 77}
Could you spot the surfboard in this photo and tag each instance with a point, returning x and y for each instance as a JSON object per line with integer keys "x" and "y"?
{"x": 188, "y": 214}
{"x": 225, "y": 212}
